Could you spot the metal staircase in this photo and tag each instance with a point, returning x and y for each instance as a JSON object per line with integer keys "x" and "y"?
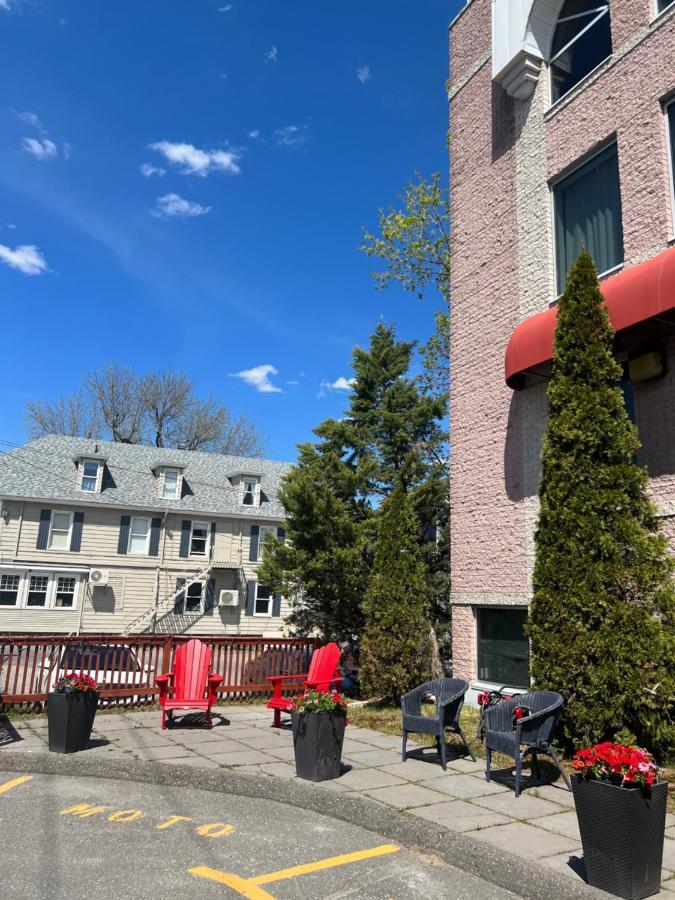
{"x": 167, "y": 603}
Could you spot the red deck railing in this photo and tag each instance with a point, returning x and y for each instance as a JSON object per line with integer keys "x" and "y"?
{"x": 126, "y": 666}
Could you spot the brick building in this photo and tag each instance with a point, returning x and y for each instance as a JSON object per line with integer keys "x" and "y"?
{"x": 562, "y": 127}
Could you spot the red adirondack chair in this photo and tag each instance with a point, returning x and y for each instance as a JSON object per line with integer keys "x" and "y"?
{"x": 323, "y": 673}
{"x": 191, "y": 684}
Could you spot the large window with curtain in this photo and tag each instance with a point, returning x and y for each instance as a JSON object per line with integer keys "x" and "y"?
{"x": 588, "y": 215}
{"x": 581, "y": 41}
{"x": 503, "y": 648}
{"x": 670, "y": 124}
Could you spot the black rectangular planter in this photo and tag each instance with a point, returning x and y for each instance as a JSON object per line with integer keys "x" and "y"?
{"x": 317, "y": 741}
{"x": 70, "y": 718}
{"x": 622, "y": 831}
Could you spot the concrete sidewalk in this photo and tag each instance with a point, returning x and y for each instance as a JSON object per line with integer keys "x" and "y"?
{"x": 539, "y": 826}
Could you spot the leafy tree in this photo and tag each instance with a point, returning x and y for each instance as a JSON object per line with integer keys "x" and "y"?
{"x": 160, "y": 408}
{"x": 414, "y": 245}
{"x": 602, "y": 621}
{"x": 396, "y": 651}
{"x": 391, "y": 433}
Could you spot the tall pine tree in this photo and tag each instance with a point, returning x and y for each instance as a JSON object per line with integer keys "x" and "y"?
{"x": 396, "y": 652}
{"x": 602, "y": 621}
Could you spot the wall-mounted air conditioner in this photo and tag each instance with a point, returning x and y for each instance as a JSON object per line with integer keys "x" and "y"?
{"x": 99, "y": 577}
{"x": 228, "y": 598}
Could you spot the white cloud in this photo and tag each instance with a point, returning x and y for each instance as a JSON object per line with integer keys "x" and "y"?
{"x": 259, "y": 378}
{"x": 194, "y": 161}
{"x": 9, "y": 4}
{"x": 40, "y": 149}
{"x": 30, "y": 118}
{"x": 292, "y": 382}
{"x": 272, "y": 55}
{"x": 291, "y": 136}
{"x": 363, "y": 73}
{"x": 149, "y": 170}
{"x": 225, "y": 8}
{"x": 255, "y": 134}
{"x": 340, "y": 384}
{"x": 66, "y": 150}
{"x": 173, "y": 206}
{"x": 25, "y": 258}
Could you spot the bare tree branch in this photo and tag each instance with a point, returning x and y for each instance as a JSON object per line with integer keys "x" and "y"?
{"x": 70, "y": 415}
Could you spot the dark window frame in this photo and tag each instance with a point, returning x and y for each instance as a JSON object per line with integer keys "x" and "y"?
{"x": 578, "y": 32}
{"x": 487, "y": 667}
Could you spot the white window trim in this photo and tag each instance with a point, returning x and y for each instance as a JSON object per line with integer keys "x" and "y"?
{"x": 256, "y": 491}
{"x": 670, "y": 138}
{"x": 265, "y": 530}
{"x": 61, "y": 512}
{"x": 186, "y": 612}
{"x": 206, "y": 527}
{"x": 81, "y": 475}
{"x": 261, "y": 615}
{"x": 553, "y": 184}
{"x": 50, "y": 600}
{"x": 178, "y": 483}
{"x": 131, "y": 552}
{"x": 658, "y": 13}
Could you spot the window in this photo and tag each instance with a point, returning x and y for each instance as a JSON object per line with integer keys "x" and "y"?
{"x": 503, "y": 649}
{"x": 170, "y": 488}
{"x": 59, "y": 530}
{"x": 65, "y": 591}
{"x": 588, "y": 215}
{"x": 89, "y": 475}
{"x": 139, "y": 535}
{"x": 670, "y": 124}
{"x": 265, "y": 532}
{"x": 263, "y": 601}
{"x": 199, "y": 538}
{"x": 38, "y": 585}
{"x": 9, "y": 589}
{"x": 581, "y": 41}
{"x": 662, "y": 5}
{"x": 193, "y": 597}
{"x": 249, "y": 493}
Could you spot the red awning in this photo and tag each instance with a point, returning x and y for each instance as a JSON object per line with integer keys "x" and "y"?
{"x": 641, "y": 294}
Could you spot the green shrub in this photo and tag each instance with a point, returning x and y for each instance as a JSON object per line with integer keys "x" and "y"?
{"x": 602, "y": 617}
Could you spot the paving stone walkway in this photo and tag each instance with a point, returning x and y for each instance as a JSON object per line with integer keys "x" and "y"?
{"x": 540, "y": 825}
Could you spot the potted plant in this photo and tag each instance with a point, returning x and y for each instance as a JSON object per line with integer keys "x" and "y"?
{"x": 621, "y": 809}
{"x": 71, "y": 708}
{"x": 319, "y": 719}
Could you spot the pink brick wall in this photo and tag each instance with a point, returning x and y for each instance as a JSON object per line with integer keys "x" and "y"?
{"x": 493, "y": 433}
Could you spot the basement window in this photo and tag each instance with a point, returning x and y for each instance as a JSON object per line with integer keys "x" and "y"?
{"x": 503, "y": 648}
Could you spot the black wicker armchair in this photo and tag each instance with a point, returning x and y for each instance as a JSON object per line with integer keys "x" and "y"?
{"x": 529, "y": 735}
{"x": 449, "y": 696}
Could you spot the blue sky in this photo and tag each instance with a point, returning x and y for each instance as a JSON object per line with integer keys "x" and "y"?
{"x": 185, "y": 183}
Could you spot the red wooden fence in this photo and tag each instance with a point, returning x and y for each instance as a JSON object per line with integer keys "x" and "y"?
{"x": 126, "y": 666}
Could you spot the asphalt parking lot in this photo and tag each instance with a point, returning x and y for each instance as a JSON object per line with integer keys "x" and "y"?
{"x": 71, "y": 837}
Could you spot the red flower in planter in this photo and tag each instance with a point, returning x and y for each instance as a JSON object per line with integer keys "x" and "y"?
{"x": 617, "y": 764}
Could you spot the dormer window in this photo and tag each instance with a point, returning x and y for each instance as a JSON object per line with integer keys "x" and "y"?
{"x": 249, "y": 492}
{"x": 89, "y": 469}
{"x": 170, "y": 484}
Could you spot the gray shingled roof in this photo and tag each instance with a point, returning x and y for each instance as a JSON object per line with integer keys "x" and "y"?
{"x": 45, "y": 470}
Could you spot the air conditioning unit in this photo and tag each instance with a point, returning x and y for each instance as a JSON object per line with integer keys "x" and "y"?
{"x": 228, "y": 598}
{"x": 99, "y": 577}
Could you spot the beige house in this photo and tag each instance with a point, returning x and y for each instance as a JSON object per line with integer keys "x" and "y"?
{"x": 104, "y": 537}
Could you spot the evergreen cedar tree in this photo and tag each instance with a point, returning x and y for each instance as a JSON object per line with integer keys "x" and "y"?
{"x": 396, "y": 651}
{"x": 601, "y": 622}
{"x": 331, "y": 496}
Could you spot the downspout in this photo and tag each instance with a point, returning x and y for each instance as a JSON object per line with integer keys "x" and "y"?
{"x": 18, "y": 532}
{"x": 159, "y": 568}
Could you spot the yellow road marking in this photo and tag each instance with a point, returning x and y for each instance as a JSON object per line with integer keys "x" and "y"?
{"x": 15, "y": 782}
{"x": 249, "y": 887}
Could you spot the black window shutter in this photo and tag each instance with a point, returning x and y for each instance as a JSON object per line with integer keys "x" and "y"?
{"x": 155, "y": 529}
{"x": 123, "y": 540}
{"x": 76, "y": 532}
{"x": 276, "y": 604}
{"x": 43, "y": 529}
{"x": 213, "y": 539}
{"x": 250, "y": 598}
{"x": 185, "y": 528}
{"x": 281, "y": 534}
{"x": 178, "y": 603}
{"x": 210, "y": 595}
{"x": 255, "y": 541}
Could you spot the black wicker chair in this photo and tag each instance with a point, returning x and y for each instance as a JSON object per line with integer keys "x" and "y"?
{"x": 449, "y": 696}
{"x": 535, "y": 731}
